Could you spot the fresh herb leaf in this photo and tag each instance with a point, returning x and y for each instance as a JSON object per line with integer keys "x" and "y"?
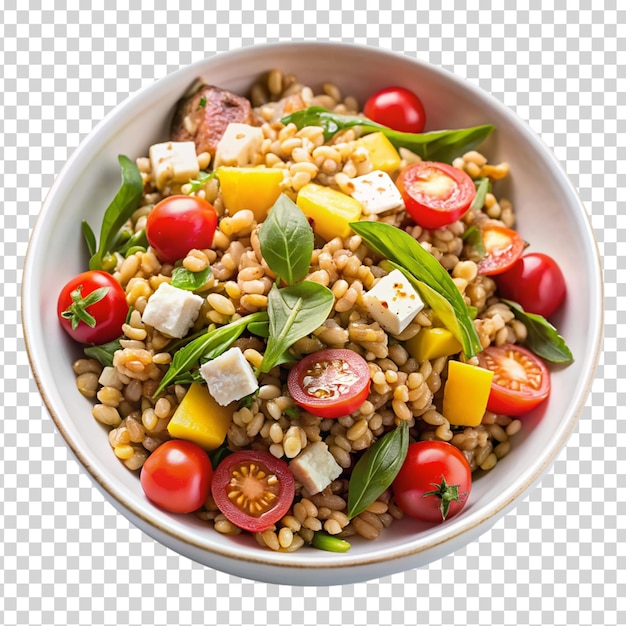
{"x": 260, "y": 329}
{"x": 219, "y": 454}
{"x": 399, "y": 247}
{"x": 202, "y": 103}
{"x": 483, "y": 186}
{"x": 377, "y": 468}
{"x": 474, "y": 237}
{"x": 190, "y": 281}
{"x": 286, "y": 239}
{"x": 136, "y": 240}
{"x": 104, "y": 352}
{"x": 201, "y": 181}
{"x": 123, "y": 205}
{"x": 442, "y": 145}
{"x": 294, "y": 312}
{"x": 90, "y": 238}
{"x": 542, "y": 338}
{"x": 207, "y": 346}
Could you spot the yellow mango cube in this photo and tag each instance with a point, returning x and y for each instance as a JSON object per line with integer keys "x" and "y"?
{"x": 383, "y": 155}
{"x": 329, "y": 210}
{"x": 466, "y": 393}
{"x": 432, "y": 343}
{"x": 199, "y": 418}
{"x": 253, "y": 188}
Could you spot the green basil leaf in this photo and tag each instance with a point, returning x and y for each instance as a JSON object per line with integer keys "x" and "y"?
{"x": 90, "y": 238}
{"x": 201, "y": 181}
{"x": 483, "y": 186}
{"x": 190, "y": 281}
{"x": 543, "y": 338}
{"x": 123, "y": 205}
{"x": 209, "y": 345}
{"x": 400, "y": 248}
{"x": 377, "y": 468}
{"x": 286, "y": 239}
{"x": 104, "y": 352}
{"x": 474, "y": 237}
{"x": 294, "y": 312}
{"x": 441, "y": 145}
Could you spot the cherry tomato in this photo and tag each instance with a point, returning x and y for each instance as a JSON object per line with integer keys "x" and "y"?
{"x": 92, "y": 307}
{"x": 434, "y": 481}
{"x": 177, "y": 476}
{"x": 503, "y": 247}
{"x": 521, "y": 380}
{"x": 253, "y": 489}
{"x": 435, "y": 194}
{"x": 179, "y": 224}
{"x": 535, "y": 282}
{"x": 397, "y": 108}
{"x": 330, "y": 383}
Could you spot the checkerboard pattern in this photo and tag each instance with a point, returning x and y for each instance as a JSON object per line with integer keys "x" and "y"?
{"x": 68, "y": 558}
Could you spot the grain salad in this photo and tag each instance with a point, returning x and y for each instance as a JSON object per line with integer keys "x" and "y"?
{"x": 301, "y": 322}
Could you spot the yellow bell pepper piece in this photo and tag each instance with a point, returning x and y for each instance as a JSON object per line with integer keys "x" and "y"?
{"x": 432, "y": 343}
{"x": 329, "y": 210}
{"x": 466, "y": 393}
{"x": 254, "y": 188}
{"x": 199, "y": 418}
{"x": 383, "y": 155}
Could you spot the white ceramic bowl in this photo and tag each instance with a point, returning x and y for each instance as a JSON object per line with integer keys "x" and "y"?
{"x": 550, "y": 216}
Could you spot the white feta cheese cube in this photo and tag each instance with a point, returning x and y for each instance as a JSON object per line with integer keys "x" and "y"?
{"x": 393, "y": 302}
{"x": 172, "y": 311}
{"x": 238, "y": 145}
{"x": 315, "y": 467}
{"x": 229, "y": 377}
{"x": 173, "y": 162}
{"x": 376, "y": 192}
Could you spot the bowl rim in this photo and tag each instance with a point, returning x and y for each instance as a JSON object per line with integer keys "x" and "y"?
{"x": 444, "y": 534}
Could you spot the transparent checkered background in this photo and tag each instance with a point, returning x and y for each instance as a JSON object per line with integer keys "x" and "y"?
{"x": 68, "y": 558}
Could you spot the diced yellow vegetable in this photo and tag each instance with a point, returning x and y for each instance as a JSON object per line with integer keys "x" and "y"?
{"x": 254, "y": 188}
{"x": 383, "y": 155}
{"x": 432, "y": 343}
{"x": 329, "y": 210}
{"x": 199, "y": 418}
{"x": 466, "y": 393}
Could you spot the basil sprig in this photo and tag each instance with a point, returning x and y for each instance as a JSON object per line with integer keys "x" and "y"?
{"x": 441, "y": 145}
{"x": 123, "y": 205}
{"x": 543, "y": 338}
{"x": 376, "y": 469}
{"x": 421, "y": 267}
{"x": 206, "y": 347}
{"x": 104, "y": 352}
{"x": 187, "y": 280}
{"x": 483, "y": 187}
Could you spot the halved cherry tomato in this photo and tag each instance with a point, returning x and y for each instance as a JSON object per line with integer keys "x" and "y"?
{"x": 330, "y": 383}
{"x": 434, "y": 481}
{"x": 521, "y": 380}
{"x": 177, "y": 476}
{"x": 535, "y": 282}
{"x": 503, "y": 247}
{"x": 435, "y": 194}
{"x": 253, "y": 489}
{"x": 92, "y": 307}
{"x": 397, "y": 108}
{"x": 179, "y": 224}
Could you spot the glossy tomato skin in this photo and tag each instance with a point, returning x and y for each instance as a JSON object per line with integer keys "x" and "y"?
{"x": 330, "y": 383}
{"x": 427, "y": 464}
{"x": 109, "y": 313}
{"x": 535, "y": 282}
{"x": 521, "y": 380}
{"x": 397, "y": 108}
{"x": 258, "y": 500}
{"x": 435, "y": 194}
{"x": 178, "y": 224}
{"x": 177, "y": 476}
{"x": 504, "y": 246}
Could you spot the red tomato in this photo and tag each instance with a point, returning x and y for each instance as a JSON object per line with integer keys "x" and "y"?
{"x": 434, "y": 481}
{"x": 503, "y": 247}
{"x": 535, "y": 282}
{"x": 397, "y": 108}
{"x": 92, "y": 307}
{"x": 330, "y": 383}
{"x": 435, "y": 194}
{"x": 177, "y": 476}
{"x": 521, "y": 380}
{"x": 253, "y": 489}
{"x": 179, "y": 224}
